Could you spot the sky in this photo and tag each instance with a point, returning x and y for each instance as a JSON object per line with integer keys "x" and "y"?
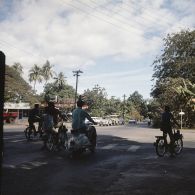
{"x": 114, "y": 42}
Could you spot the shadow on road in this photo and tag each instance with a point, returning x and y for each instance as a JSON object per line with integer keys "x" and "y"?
{"x": 119, "y": 166}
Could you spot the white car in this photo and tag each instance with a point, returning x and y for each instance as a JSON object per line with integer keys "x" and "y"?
{"x": 105, "y": 122}
{"x": 97, "y": 119}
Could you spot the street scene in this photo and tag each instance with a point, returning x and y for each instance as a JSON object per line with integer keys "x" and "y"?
{"x": 125, "y": 162}
{"x": 97, "y": 97}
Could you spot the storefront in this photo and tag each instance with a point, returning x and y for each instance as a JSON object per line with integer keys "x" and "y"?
{"x": 22, "y": 109}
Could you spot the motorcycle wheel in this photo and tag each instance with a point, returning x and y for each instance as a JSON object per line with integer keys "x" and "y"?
{"x": 28, "y": 133}
{"x": 63, "y": 140}
{"x": 50, "y": 142}
{"x": 178, "y": 146}
{"x": 160, "y": 147}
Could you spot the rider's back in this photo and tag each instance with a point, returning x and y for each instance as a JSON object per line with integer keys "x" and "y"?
{"x": 78, "y": 118}
{"x": 166, "y": 123}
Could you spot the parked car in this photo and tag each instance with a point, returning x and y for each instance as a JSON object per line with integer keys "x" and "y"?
{"x": 115, "y": 119}
{"x": 105, "y": 122}
{"x": 121, "y": 121}
{"x": 132, "y": 121}
{"x": 97, "y": 119}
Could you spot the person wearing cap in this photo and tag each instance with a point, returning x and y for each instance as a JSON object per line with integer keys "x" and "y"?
{"x": 35, "y": 116}
{"x": 78, "y": 117}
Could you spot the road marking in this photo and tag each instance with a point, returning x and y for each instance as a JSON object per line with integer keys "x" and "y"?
{"x": 109, "y": 146}
{"x": 12, "y": 137}
{"x": 133, "y": 148}
{"x": 19, "y": 140}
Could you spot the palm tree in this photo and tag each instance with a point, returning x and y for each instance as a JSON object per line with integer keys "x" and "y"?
{"x": 60, "y": 80}
{"x": 47, "y": 71}
{"x": 18, "y": 68}
{"x": 35, "y": 74}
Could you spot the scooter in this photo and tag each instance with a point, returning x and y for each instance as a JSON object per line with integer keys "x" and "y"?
{"x": 77, "y": 142}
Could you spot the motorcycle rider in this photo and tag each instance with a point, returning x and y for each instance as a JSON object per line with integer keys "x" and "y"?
{"x": 35, "y": 116}
{"x": 166, "y": 126}
{"x": 52, "y": 119}
{"x": 55, "y": 113}
{"x": 78, "y": 119}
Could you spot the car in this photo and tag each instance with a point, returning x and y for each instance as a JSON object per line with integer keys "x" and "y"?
{"x": 115, "y": 119}
{"x": 132, "y": 121}
{"x": 121, "y": 121}
{"x": 105, "y": 121}
{"x": 97, "y": 119}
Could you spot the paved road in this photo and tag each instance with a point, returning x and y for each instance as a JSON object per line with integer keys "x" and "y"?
{"x": 125, "y": 163}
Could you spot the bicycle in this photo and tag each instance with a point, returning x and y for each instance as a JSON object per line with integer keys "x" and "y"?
{"x": 31, "y": 132}
{"x": 56, "y": 139}
{"x": 162, "y": 146}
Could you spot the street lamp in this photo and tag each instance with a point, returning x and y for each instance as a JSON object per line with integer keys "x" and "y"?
{"x": 181, "y": 113}
{"x": 76, "y": 73}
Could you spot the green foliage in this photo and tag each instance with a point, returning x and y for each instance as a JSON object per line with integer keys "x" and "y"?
{"x": 16, "y": 88}
{"x": 97, "y": 101}
{"x": 35, "y": 74}
{"x": 52, "y": 90}
{"x": 175, "y": 74}
{"x": 47, "y": 71}
{"x": 137, "y": 106}
{"x": 18, "y": 68}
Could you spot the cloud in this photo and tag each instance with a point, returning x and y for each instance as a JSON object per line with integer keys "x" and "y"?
{"x": 76, "y": 34}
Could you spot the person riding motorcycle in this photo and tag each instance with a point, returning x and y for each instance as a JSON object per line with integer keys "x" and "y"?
{"x": 166, "y": 125}
{"x": 55, "y": 113}
{"x": 35, "y": 116}
{"x": 78, "y": 124}
{"x": 78, "y": 118}
{"x": 52, "y": 119}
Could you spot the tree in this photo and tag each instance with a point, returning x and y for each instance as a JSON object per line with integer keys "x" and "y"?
{"x": 15, "y": 92}
{"x": 47, "y": 71}
{"x": 18, "y": 68}
{"x": 51, "y": 90}
{"x": 96, "y": 99}
{"x": 178, "y": 57}
{"x": 174, "y": 74}
{"x": 60, "y": 81}
{"x": 35, "y": 74}
{"x": 138, "y": 103}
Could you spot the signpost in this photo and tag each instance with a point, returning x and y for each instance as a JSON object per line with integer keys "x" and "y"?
{"x": 181, "y": 113}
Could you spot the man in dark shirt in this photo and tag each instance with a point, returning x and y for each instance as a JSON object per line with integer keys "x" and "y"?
{"x": 166, "y": 125}
{"x": 35, "y": 116}
{"x": 54, "y": 112}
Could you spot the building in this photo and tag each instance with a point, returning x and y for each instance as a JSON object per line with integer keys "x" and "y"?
{"x": 22, "y": 108}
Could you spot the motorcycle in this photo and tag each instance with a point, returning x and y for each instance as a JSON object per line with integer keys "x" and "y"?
{"x": 77, "y": 142}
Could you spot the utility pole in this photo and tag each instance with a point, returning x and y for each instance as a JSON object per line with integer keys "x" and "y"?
{"x": 76, "y": 73}
{"x": 124, "y": 106}
{"x": 2, "y": 84}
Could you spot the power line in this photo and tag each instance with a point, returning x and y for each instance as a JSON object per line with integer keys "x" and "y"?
{"x": 102, "y": 19}
{"x": 101, "y": 12}
{"x": 140, "y": 21}
{"x": 148, "y": 14}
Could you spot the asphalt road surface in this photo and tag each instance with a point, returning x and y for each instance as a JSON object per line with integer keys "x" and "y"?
{"x": 125, "y": 162}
